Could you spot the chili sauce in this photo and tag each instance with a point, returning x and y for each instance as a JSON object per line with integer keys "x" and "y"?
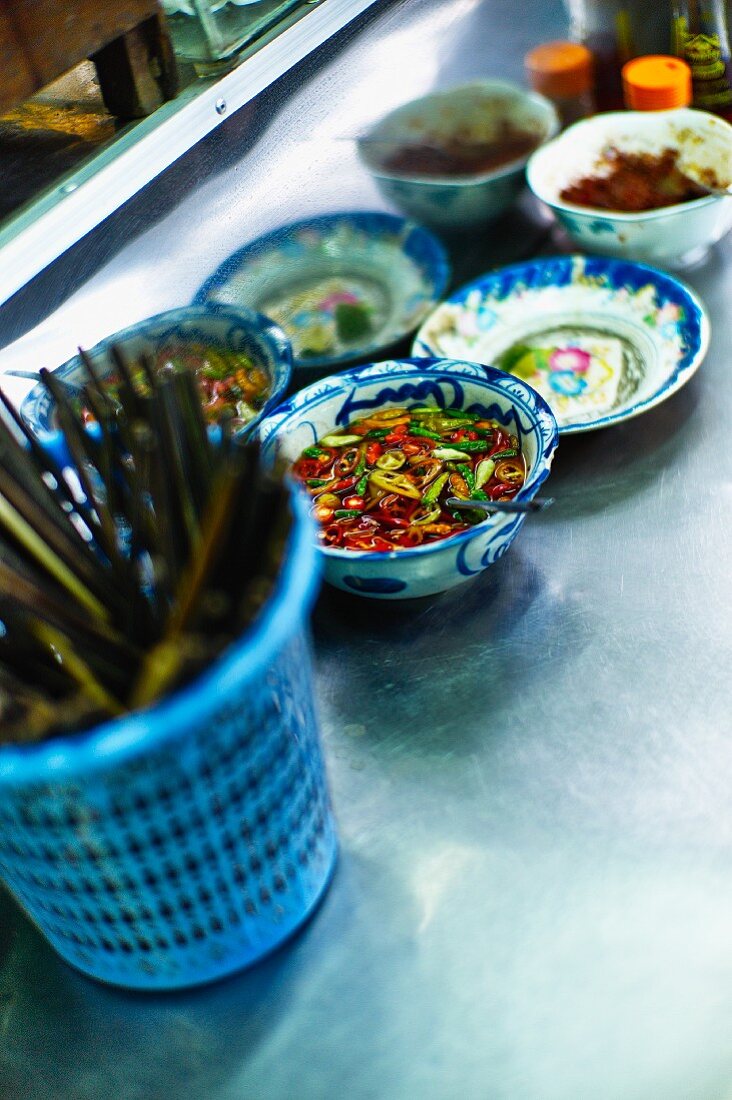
{"x": 632, "y": 182}
{"x": 382, "y": 482}
{"x": 227, "y": 380}
{"x": 461, "y": 154}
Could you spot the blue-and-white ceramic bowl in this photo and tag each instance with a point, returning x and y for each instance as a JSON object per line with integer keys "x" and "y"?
{"x": 387, "y": 270}
{"x": 671, "y": 236}
{"x": 601, "y": 340}
{"x": 223, "y": 327}
{"x": 333, "y": 402}
{"x": 469, "y": 112}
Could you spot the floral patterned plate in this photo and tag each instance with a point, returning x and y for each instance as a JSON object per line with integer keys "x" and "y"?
{"x": 342, "y": 286}
{"x": 600, "y": 339}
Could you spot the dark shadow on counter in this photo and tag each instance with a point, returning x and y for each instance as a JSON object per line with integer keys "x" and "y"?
{"x": 65, "y": 1037}
{"x": 599, "y": 470}
{"x": 407, "y": 668}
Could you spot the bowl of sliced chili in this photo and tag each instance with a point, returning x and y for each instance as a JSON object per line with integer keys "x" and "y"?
{"x": 241, "y": 360}
{"x": 380, "y": 450}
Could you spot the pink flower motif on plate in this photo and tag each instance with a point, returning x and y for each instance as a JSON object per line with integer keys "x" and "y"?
{"x": 338, "y": 297}
{"x": 574, "y": 359}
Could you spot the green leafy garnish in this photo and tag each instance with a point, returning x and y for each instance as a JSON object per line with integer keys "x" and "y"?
{"x": 352, "y": 321}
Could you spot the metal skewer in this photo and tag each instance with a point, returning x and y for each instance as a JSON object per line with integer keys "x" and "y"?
{"x": 488, "y": 506}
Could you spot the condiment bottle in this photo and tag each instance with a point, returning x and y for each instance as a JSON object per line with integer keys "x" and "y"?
{"x": 616, "y": 31}
{"x": 563, "y": 72}
{"x": 656, "y": 83}
{"x": 701, "y": 37}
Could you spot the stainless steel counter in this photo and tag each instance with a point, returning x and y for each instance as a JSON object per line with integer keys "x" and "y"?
{"x": 532, "y": 775}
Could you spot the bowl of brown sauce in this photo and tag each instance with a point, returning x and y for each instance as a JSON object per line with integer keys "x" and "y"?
{"x": 455, "y": 159}
{"x": 636, "y": 184}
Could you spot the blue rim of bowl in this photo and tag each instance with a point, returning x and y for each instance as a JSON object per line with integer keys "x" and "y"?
{"x": 37, "y": 406}
{"x": 695, "y": 329}
{"x": 419, "y": 245}
{"x": 425, "y": 368}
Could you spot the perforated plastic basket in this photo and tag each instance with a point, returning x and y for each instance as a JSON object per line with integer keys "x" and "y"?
{"x": 180, "y": 844}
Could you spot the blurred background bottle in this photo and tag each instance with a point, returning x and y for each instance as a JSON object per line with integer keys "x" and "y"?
{"x": 701, "y": 37}
{"x": 616, "y": 31}
{"x": 564, "y": 73}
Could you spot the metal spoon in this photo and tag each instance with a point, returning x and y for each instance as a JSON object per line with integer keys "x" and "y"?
{"x": 716, "y": 192}
{"x": 489, "y": 506}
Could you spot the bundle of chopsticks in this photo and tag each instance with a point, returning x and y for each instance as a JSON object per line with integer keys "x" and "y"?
{"x": 127, "y": 570}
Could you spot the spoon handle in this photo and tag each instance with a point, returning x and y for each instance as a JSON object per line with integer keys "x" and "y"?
{"x": 489, "y": 506}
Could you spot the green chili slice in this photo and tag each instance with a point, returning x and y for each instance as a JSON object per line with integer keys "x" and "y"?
{"x": 424, "y": 432}
{"x": 391, "y": 460}
{"x": 468, "y": 475}
{"x": 473, "y": 445}
{"x": 435, "y": 489}
{"x": 450, "y": 454}
{"x": 394, "y": 483}
{"x": 431, "y": 514}
{"x": 484, "y": 471}
{"x": 457, "y": 414}
{"x": 339, "y": 440}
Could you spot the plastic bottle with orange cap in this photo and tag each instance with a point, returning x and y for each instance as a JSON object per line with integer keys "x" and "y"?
{"x": 656, "y": 83}
{"x": 563, "y": 72}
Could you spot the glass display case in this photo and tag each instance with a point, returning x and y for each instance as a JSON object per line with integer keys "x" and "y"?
{"x": 211, "y": 33}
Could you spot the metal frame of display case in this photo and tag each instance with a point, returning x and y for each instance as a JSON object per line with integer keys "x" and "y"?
{"x": 40, "y": 233}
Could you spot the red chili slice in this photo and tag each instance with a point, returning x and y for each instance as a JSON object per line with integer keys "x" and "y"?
{"x": 306, "y": 468}
{"x": 501, "y": 489}
{"x": 346, "y": 462}
{"x": 412, "y": 447}
{"x": 370, "y": 542}
{"x": 344, "y": 483}
{"x": 332, "y": 535}
{"x": 511, "y": 471}
{"x": 409, "y": 538}
{"x": 326, "y": 458}
{"x": 390, "y": 520}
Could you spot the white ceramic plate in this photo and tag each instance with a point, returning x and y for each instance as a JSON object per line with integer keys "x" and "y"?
{"x": 601, "y": 340}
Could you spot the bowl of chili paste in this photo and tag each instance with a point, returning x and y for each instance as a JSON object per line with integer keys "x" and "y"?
{"x": 380, "y": 450}
{"x": 635, "y": 184}
{"x": 455, "y": 159}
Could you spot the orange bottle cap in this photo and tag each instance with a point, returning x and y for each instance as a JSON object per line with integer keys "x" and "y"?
{"x": 656, "y": 83}
{"x": 561, "y": 69}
